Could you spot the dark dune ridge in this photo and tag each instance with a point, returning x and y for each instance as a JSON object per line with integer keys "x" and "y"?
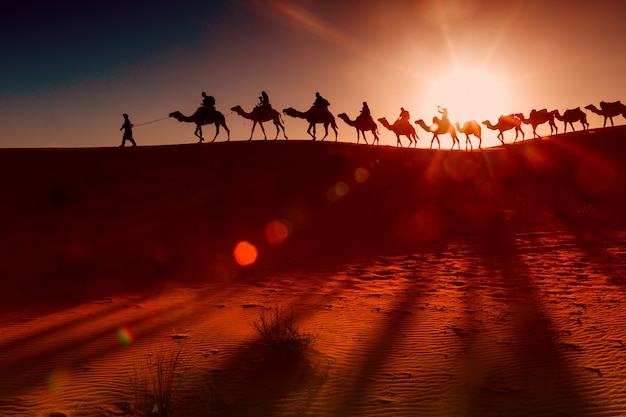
{"x": 434, "y": 282}
{"x": 158, "y": 209}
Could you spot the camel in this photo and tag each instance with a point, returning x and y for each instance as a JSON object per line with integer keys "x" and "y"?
{"x": 608, "y": 110}
{"x": 538, "y": 117}
{"x": 314, "y": 116}
{"x": 506, "y": 123}
{"x": 401, "y": 128}
{"x": 570, "y": 116}
{"x": 440, "y": 127}
{"x": 362, "y": 125}
{"x": 203, "y": 116}
{"x": 471, "y": 127}
{"x": 260, "y": 115}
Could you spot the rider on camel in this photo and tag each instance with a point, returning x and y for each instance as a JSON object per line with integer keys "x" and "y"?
{"x": 264, "y": 101}
{"x": 320, "y": 101}
{"x": 208, "y": 102}
{"x": 365, "y": 112}
{"x": 444, "y": 116}
{"x": 404, "y": 116}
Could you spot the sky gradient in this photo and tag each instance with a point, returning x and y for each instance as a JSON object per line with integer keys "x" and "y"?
{"x": 70, "y": 69}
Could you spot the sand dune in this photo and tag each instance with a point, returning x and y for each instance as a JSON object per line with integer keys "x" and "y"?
{"x": 433, "y": 282}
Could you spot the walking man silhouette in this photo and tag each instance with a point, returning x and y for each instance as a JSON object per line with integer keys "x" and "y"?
{"x": 128, "y": 131}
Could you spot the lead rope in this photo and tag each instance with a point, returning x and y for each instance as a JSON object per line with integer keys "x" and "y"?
{"x": 152, "y": 121}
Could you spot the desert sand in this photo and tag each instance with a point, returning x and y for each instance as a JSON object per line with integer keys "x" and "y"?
{"x": 432, "y": 283}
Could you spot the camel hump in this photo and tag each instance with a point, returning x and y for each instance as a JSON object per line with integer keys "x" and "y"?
{"x": 605, "y": 104}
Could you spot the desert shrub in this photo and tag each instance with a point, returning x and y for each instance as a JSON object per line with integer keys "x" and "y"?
{"x": 156, "y": 382}
{"x": 279, "y": 334}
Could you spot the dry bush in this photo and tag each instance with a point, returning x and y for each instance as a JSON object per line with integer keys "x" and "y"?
{"x": 279, "y": 334}
{"x": 156, "y": 382}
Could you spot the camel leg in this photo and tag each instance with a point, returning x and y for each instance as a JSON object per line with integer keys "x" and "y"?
{"x": 398, "y": 143}
{"x": 433, "y": 140}
{"x": 217, "y": 131}
{"x": 198, "y": 133}
{"x": 311, "y": 126}
{"x": 277, "y": 130}
{"x": 457, "y": 142}
{"x": 263, "y": 130}
{"x": 253, "y": 126}
{"x": 334, "y": 130}
{"x": 325, "y": 132}
{"x": 227, "y": 131}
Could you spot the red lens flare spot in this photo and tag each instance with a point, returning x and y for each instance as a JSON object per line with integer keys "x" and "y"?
{"x": 277, "y": 231}
{"x": 245, "y": 253}
{"x": 125, "y": 335}
{"x": 361, "y": 174}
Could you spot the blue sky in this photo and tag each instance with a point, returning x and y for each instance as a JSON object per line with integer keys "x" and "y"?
{"x": 70, "y": 69}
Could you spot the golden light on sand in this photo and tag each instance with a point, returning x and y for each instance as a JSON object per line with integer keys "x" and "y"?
{"x": 361, "y": 174}
{"x": 277, "y": 231}
{"x": 245, "y": 253}
{"x": 469, "y": 93}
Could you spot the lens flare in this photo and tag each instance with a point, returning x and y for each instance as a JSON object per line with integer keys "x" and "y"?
{"x": 361, "y": 174}
{"x": 245, "y": 253}
{"x": 340, "y": 189}
{"x": 277, "y": 231}
{"x": 57, "y": 379}
{"x": 125, "y": 335}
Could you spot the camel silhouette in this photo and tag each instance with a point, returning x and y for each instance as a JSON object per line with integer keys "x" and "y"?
{"x": 315, "y": 115}
{"x": 362, "y": 125}
{"x": 538, "y": 117}
{"x": 258, "y": 115}
{"x": 440, "y": 127}
{"x": 471, "y": 127}
{"x": 401, "y": 128}
{"x": 201, "y": 117}
{"x": 570, "y": 116}
{"x": 506, "y": 122}
{"x": 608, "y": 110}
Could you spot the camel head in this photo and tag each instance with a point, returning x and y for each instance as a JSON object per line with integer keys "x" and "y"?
{"x": 177, "y": 115}
{"x": 237, "y": 109}
{"x": 593, "y": 108}
{"x": 383, "y": 121}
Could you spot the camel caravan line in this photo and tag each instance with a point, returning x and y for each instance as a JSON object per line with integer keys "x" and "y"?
{"x": 318, "y": 113}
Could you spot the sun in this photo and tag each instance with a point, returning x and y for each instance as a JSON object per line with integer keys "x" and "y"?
{"x": 469, "y": 93}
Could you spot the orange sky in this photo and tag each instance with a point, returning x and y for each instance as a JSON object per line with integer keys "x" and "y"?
{"x": 72, "y": 72}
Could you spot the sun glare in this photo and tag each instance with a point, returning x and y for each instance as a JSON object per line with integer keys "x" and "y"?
{"x": 469, "y": 93}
